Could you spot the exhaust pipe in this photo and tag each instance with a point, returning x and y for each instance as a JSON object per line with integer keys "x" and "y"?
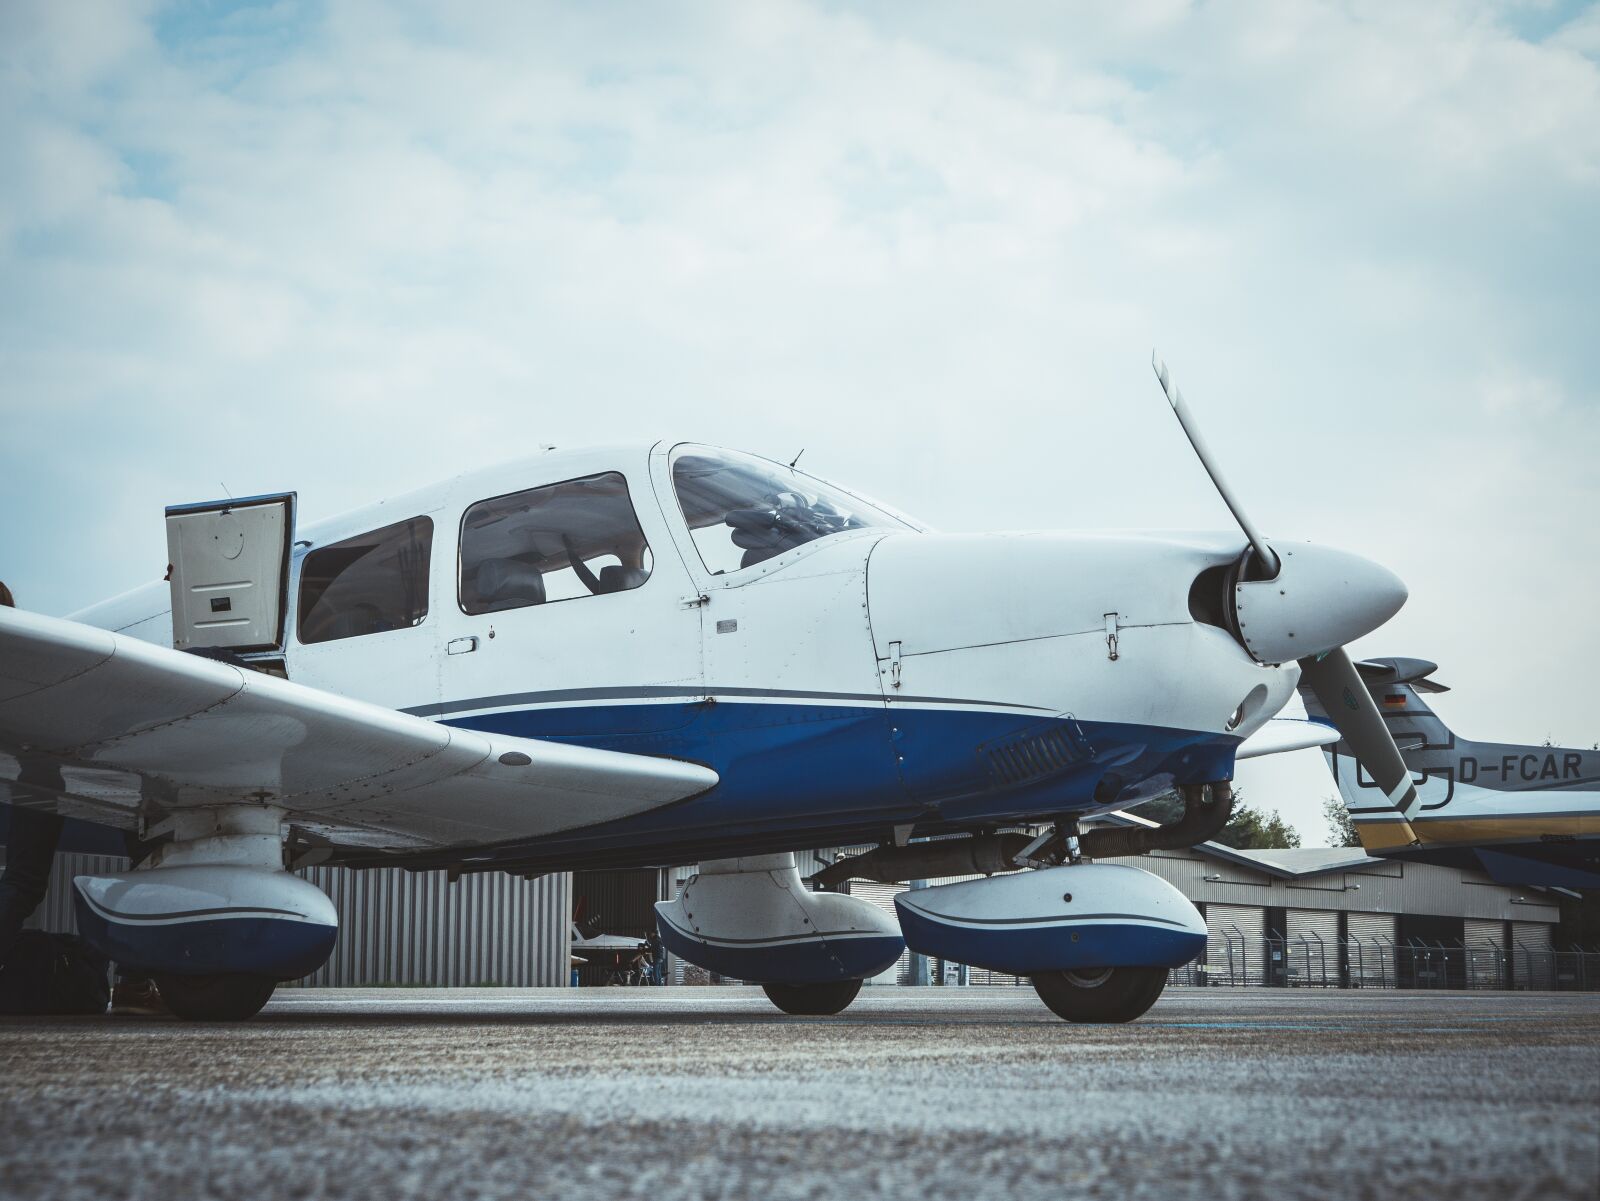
{"x": 1203, "y": 818}
{"x": 987, "y": 854}
{"x": 980, "y": 855}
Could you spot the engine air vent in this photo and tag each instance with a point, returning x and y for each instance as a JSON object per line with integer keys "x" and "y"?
{"x": 1037, "y": 754}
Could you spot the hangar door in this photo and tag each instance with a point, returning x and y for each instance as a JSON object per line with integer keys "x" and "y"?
{"x": 1369, "y": 947}
{"x": 1235, "y": 944}
{"x": 1532, "y": 963}
{"x": 1430, "y": 953}
{"x": 1312, "y": 948}
{"x": 1486, "y": 958}
{"x": 620, "y": 905}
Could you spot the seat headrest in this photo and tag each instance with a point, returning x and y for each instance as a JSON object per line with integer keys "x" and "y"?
{"x": 507, "y": 583}
{"x": 619, "y": 579}
{"x": 358, "y": 619}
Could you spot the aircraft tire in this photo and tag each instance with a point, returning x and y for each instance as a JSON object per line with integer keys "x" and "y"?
{"x": 1113, "y": 994}
{"x": 228, "y": 997}
{"x": 813, "y": 1000}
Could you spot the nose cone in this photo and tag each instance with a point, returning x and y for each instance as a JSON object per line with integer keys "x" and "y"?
{"x": 1320, "y": 599}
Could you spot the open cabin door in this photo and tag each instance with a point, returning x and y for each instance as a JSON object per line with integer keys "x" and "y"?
{"x": 229, "y": 574}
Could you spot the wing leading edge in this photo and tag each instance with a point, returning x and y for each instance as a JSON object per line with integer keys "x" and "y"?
{"x": 99, "y": 726}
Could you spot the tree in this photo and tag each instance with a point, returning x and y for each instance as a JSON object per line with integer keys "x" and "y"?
{"x": 1341, "y": 830}
{"x": 1248, "y": 829}
{"x": 1253, "y": 829}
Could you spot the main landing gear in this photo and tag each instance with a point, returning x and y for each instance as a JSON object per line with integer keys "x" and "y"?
{"x": 211, "y": 915}
{"x": 1096, "y": 939}
{"x": 1103, "y": 994}
{"x": 753, "y": 919}
{"x": 813, "y": 1000}
{"x": 224, "y": 997}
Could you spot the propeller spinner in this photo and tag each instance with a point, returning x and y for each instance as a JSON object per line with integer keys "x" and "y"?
{"x": 1304, "y": 602}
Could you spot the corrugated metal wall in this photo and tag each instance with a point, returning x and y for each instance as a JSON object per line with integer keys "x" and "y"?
{"x": 399, "y": 927}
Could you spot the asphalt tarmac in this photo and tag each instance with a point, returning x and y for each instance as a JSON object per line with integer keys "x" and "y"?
{"x": 710, "y": 1092}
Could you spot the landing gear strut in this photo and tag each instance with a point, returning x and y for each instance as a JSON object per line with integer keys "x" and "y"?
{"x": 813, "y": 1000}
{"x": 1107, "y": 994}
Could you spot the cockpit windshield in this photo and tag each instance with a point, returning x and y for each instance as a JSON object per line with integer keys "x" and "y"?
{"x": 743, "y": 510}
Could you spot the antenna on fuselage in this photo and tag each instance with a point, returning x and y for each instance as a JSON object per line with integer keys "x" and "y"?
{"x": 796, "y": 459}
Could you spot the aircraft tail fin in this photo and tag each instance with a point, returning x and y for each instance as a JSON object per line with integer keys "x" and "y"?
{"x": 1397, "y": 687}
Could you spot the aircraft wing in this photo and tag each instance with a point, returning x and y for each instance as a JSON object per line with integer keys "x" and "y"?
{"x": 1282, "y": 734}
{"x": 97, "y": 725}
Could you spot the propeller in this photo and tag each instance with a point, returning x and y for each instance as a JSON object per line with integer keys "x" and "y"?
{"x": 1333, "y": 679}
{"x": 1305, "y": 604}
{"x": 1265, "y": 557}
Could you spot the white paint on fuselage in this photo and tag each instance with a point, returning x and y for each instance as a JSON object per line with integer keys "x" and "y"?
{"x": 1010, "y": 621}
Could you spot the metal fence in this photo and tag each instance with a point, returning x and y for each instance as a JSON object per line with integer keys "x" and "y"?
{"x": 1308, "y": 961}
{"x": 1239, "y": 960}
{"x": 1236, "y": 960}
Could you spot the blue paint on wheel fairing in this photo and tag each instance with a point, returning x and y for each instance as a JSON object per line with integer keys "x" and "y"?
{"x": 282, "y": 948}
{"x": 1025, "y": 947}
{"x": 817, "y": 960}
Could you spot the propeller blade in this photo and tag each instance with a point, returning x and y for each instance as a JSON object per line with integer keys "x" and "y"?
{"x": 1338, "y": 688}
{"x": 1264, "y": 553}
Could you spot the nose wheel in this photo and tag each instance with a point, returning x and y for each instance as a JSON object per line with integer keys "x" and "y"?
{"x": 1106, "y": 994}
{"x": 223, "y": 997}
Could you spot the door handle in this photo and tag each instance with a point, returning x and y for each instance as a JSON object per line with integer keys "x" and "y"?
{"x": 461, "y": 646}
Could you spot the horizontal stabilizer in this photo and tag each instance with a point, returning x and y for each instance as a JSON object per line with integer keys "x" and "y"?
{"x": 1286, "y": 734}
{"x": 1376, "y": 673}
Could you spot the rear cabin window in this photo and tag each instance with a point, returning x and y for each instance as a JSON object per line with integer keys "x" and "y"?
{"x": 366, "y": 584}
{"x": 578, "y": 538}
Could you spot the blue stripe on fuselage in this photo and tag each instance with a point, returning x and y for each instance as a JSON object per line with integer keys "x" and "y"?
{"x": 808, "y": 769}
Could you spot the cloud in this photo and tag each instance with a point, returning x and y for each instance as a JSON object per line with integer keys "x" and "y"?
{"x": 353, "y": 248}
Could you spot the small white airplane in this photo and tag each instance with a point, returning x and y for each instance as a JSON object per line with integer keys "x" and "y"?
{"x": 670, "y": 653}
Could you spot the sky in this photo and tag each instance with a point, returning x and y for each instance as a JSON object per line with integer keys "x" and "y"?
{"x": 348, "y": 248}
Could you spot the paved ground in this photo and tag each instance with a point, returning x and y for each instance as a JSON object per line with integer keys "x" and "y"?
{"x": 928, "y": 1093}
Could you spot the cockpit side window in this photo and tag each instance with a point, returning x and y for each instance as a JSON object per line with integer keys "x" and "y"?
{"x": 743, "y": 510}
{"x": 578, "y": 538}
{"x": 367, "y": 584}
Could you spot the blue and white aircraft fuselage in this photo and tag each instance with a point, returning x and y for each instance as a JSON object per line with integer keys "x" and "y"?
{"x": 670, "y": 653}
{"x": 874, "y": 677}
